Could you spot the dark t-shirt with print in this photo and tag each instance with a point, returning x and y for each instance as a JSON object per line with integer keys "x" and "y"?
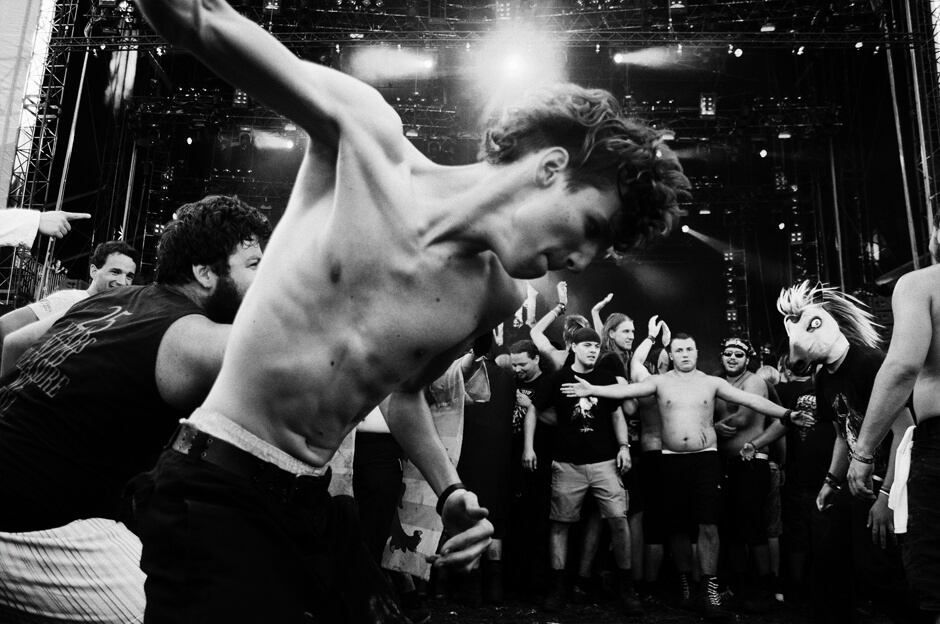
{"x": 585, "y": 433}
{"x": 531, "y": 389}
{"x": 842, "y": 397}
{"x": 809, "y": 449}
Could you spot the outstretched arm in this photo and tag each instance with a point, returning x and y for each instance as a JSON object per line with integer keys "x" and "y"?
{"x": 729, "y": 393}
{"x": 317, "y": 98}
{"x": 582, "y": 388}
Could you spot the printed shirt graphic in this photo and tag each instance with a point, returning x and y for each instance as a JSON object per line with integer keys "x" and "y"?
{"x": 842, "y": 397}
{"x": 585, "y": 433}
{"x": 81, "y": 413}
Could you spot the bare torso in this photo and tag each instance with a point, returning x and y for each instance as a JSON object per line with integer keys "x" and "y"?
{"x": 748, "y": 424}
{"x": 687, "y": 405}
{"x": 651, "y": 425}
{"x": 927, "y": 387}
{"x": 351, "y": 302}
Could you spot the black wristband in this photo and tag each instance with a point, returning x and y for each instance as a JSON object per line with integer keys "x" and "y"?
{"x": 788, "y": 418}
{"x": 832, "y": 481}
{"x": 450, "y": 489}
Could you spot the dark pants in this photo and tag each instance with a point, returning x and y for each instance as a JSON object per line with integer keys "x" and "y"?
{"x": 847, "y": 551}
{"x": 922, "y": 545}
{"x": 377, "y": 476}
{"x": 744, "y": 500}
{"x": 526, "y": 549}
{"x": 218, "y": 548}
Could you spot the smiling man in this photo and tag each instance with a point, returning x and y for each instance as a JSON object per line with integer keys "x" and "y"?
{"x": 113, "y": 264}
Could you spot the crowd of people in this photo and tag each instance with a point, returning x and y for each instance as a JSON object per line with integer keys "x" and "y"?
{"x": 165, "y": 449}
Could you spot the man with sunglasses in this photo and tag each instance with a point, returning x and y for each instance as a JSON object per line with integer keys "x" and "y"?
{"x": 746, "y": 484}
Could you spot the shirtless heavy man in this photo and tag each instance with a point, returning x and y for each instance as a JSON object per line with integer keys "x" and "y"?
{"x": 383, "y": 269}
{"x": 911, "y": 366}
{"x": 691, "y": 470}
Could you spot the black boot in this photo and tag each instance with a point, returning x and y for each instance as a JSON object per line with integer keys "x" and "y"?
{"x": 626, "y": 595}
{"x": 493, "y": 582}
{"x": 558, "y": 595}
{"x": 711, "y": 600}
{"x": 686, "y": 593}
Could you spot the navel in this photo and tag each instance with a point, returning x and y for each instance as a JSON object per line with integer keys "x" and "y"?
{"x": 420, "y": 353}
{"x": 336, "y": 272}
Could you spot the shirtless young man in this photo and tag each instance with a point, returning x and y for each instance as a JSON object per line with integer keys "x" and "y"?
{"x": 691, "y": 470}
{"x": 911, "y": 366}
{"x": 383, "y": 269}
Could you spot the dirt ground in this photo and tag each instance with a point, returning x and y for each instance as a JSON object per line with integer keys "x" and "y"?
{"x": 444, "y": 611}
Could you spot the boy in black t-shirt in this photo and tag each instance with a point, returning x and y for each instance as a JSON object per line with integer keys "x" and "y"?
{"x": 591, "y": 452}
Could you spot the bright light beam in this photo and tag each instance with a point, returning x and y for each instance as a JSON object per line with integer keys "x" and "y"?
{"x": 377, "y": 63}
{"x": 719, "y": 246}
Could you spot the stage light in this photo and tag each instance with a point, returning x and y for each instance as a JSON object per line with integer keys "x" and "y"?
{"x": 685, "y": 229}
{"x": 514, "y": 65}
{"x": 240, "y": 99}
{"x": 705, "y": 211}
{"x": 597, "y": 49}
{"x": 763, "y": 153}
{"x": 411, "y": 132}
{"x": 619, "y": 58}
{"x": 378, "y": 64}
{"x": 796, "y": 237}
{"x": 858, "y": 46}
{"x": 784, "y": 134}
{"x": 768, "y": 27}
{"x": 707, "y": 104}
{"x": 379, "y": 4}
{"x": 669, "y": 135}
{"x": 189, "y": 140}
{"x": 781, "y": 226}
{"x": 738, "y": 52}
{"x": 800, "y": 50}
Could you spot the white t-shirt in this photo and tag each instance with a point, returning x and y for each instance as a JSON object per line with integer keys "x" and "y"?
{"x": 58, "y": 301}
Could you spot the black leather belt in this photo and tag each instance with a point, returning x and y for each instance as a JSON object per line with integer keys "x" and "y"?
{"x": 304, "y": 490}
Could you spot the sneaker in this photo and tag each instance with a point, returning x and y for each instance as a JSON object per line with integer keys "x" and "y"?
{"x": 558, "y": 596}
{"x": 711, "y": 601}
